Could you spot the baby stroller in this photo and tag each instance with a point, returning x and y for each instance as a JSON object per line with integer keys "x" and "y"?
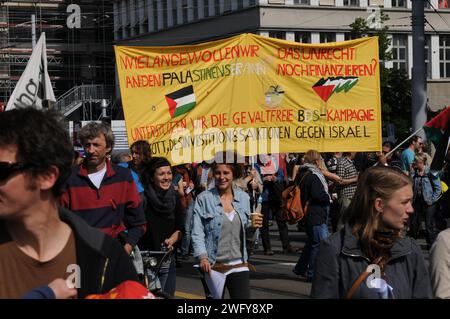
{"x": 153, "y": 261}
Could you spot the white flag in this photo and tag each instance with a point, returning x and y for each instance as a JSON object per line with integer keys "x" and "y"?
{"x": 34, "y": 85}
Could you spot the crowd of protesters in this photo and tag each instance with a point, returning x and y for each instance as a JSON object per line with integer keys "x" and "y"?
{"x": 364, "y": 209}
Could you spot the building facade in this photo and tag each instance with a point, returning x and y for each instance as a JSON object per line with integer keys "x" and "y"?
{"x": 175, "y": 22}
{"x": 80, "y": 57}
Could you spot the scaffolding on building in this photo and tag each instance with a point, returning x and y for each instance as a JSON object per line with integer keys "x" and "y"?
{"x": 76, "y": 57}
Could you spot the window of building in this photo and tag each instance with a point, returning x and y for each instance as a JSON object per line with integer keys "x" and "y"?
{"x": 164, "y": 14}
{"x": 195, "y": 8}
{"x": 276, "y": 1}
{"x": 305, "y": 2}
{"x": 185, "y": 8}
{"x": 444, "y": 55}
{"x": 277, "y": 34}
{"x": 206, "y": 9}
{"x": 240, "y": 4}
{"x": 443, "y": 4}
{"x": 351, "y": 3}
{"x": 376, "y": 3}
{"x": 144, "y": 27}
{"x": 326, "y": 2}
{"x": 143, "y": 24}
{"x": 134, "y": 18}
{"x": 428, "y": 55}
{"x": 155, "y": 15}
{"x": 227, "y": 6}
{"x": 398, "y": 3}
{"x": 400, "y": 52}
{"x": 349, "y": 36}
{"x": 302, "y": 37}
{"x": 174, "y": 13}
{"x": 326, "y": 37}
{"x": 217, "y": 7}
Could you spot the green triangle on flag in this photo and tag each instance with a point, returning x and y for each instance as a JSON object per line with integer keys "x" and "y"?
{"x": 181, "y": 101}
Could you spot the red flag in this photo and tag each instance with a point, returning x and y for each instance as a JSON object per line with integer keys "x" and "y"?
{"x": 127, "y": 290}
{"x": 441, "y": 121}
{"x": 438, "y": 131}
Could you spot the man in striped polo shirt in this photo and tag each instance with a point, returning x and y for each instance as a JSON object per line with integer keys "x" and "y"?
{"x": 103, "y": 194}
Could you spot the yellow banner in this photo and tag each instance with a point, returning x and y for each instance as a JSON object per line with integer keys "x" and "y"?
{"x": 251, "y": 94}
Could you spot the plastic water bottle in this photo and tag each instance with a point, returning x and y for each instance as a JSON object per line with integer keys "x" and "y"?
{"x": 257, "y": 210}
{"x": 256, "y": 243}
{"x": 259, "y": 205}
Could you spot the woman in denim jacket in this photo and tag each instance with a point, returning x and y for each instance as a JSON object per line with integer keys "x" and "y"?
{"x": 427, "y": 189}
{"x": 221, "y": 217}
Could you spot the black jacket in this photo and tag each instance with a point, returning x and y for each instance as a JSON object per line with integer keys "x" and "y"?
{"x": 340, "y": 262}
{"x": 103, "y": 262}
{"x": 161, "y": 226}
{"x": 314, "y": 193}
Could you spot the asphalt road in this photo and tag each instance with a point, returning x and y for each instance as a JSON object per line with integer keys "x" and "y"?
{"x": 273, "y": 278}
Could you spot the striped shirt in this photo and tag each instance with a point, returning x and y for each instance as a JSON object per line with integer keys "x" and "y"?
{"x": 112, "y": 208}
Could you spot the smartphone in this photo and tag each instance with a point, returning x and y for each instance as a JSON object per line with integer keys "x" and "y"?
{"x": 177, "y": 179}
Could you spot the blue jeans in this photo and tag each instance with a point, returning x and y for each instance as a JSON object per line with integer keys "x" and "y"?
{"x": 307, "y": 261}
{"x": 167, "y": 278}
{"x": 186, "y": 241}
{"x": 421, "y": 209}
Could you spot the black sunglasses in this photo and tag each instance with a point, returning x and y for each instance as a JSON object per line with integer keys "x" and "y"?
{"x": 8, "y": 168}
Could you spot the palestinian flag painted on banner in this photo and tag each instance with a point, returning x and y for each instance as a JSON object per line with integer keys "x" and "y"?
{"x": 438, "y": 132}
{"x": 324, "y": 88}
{"x": 181, "y": 101}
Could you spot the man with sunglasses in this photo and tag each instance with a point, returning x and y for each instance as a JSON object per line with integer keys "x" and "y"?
{"x": 408, "y": 154}
{"x": 39, "y": 241}
{"x": 393, "y": 160}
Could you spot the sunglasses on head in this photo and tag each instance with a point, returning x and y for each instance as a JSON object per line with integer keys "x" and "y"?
{"x": 8, "y": 168}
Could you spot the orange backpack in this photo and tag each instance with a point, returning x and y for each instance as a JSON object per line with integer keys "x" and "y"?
{"x": 292, "y": 208}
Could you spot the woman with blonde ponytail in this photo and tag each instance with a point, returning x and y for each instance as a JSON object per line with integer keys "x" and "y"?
{"x": 371, "y": 257}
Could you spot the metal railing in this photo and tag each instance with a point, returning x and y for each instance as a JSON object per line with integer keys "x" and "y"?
{"x": 75, "y": 97}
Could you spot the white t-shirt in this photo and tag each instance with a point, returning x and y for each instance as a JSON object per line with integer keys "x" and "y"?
{"x": 230, "y": 215}
{"x": 97, "y": 177}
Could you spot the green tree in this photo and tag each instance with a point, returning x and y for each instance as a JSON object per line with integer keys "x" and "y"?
{"x": 395, "y": 85}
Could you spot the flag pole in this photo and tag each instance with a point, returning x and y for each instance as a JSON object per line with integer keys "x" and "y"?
{"x": 406, "y": 139}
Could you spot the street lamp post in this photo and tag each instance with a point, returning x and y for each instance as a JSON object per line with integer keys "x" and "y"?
{"x": 418, "y": 80}
{"x": 33, "y": 31}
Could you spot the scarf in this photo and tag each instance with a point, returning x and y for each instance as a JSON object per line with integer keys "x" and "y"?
{"x": 316, "y": 171}
{"x": 161, "y": 201}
